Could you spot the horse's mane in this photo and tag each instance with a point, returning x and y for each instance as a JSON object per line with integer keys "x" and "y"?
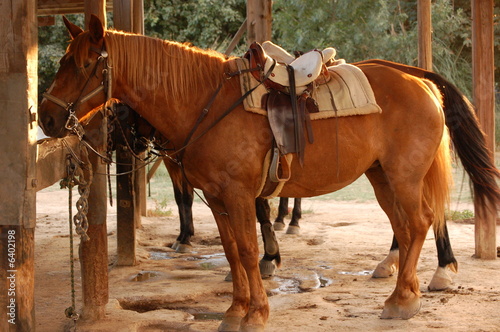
{"x": 150, "y": 63}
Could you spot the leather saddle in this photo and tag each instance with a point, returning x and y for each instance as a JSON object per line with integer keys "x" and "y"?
{"x": 289, "y": 81}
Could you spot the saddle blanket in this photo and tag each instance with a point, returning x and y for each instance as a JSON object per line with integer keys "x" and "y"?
{"x": 349, "y": 86}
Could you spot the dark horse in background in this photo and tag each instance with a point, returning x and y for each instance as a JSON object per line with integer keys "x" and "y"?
{"x": 404, "y": 150}
{"x": 139, "y": 135}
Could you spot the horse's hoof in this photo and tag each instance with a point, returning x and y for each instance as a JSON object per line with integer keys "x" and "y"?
{"x": 266, "y": 268}
{"x": 279, "y": 226}
{"x": 293, "y": 229}
{"x": 384, "y": 271}
{"x": 175, "y": 245}
{"x": 184, "y": 248}
{"x": 388, "y": 266}
{"x": 440, "y": 281}
{"x": 253, "y": 328}
{"x": 393, "y": 311}
{"x": 229, "y": 277}
{"x": 271, "y": 244}
{"x": 230, "y": 324}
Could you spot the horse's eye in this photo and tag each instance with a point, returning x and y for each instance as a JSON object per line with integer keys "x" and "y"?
{"x": 87, "y": 65}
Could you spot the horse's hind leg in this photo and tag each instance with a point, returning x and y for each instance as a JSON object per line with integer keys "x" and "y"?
{"x": 183, "y": 194}
{"x": 385, "y": 198}
{"x": 410, "y": 233}
{"x": 279, "y": 223}
{"x": 293, "y": 226}
{"x": 441, "y": 280}
{"x": 410, "y": 219}
{"x": 390, "y": 264}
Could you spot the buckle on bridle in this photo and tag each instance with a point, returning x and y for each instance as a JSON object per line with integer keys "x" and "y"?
{"x": 73, "y": 125}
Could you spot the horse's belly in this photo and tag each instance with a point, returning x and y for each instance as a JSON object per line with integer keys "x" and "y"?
{"x": 325, "y": 175}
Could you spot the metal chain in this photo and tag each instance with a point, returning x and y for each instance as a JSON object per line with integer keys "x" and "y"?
{"x": 69, "y": 183}
{"x": 80, "y": 218}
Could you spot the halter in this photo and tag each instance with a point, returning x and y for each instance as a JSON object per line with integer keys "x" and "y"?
{"x": 72, "y": 123}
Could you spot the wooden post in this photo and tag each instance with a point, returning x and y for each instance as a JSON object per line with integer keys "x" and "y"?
{"x": 259, "y": 20}
{"x": 94, "y": 252}
{"x": 424, "y": 34}
{"x": 18, "y": 104}
{"x": 128, "y": 209}
{"x": 484, "y": 100}
{"x": 96, "y": 7}
{"x": 140, "y": 184}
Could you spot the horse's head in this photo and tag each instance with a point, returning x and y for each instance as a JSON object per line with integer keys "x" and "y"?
{"x": 79, "y": 85}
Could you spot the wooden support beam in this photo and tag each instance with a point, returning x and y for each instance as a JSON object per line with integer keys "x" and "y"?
{"x": 94, "y": 252}
{"x": 259, "y": 20}
{"x": 140, "y": 184}
{"x": 236, "y": 38}
{"x": 58, "y": 7}
{"x": 130, "y": 201}
{"x": 424, "y": 34}
{"x": 97, "y": 8}
{"x": 484, "y": 100}
{"x": 126, "y": 208}
{"x": 18, "y": 104}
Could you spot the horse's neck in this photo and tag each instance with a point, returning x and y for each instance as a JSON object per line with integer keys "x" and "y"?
{"x": 173, "y": 96}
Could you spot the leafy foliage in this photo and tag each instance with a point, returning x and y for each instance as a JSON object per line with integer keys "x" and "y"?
{"x": 205, "y": 23}
{"x": 385, "y": 29}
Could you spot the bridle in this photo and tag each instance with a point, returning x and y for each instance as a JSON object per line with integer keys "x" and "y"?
{"x": 72, "y": 123}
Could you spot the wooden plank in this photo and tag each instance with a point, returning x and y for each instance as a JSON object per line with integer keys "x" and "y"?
{"x": 259, "y": 20}
{"x": 424, "y": 34}
{"x": 153, "y": 169}
{"x": 236, "y": 38}
{"x": 18, "y": 104}
{"x": 484, "y": 100}
{"x": 58, "y": 7}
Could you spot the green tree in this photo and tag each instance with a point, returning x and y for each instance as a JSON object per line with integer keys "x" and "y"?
{"x": 385, "y": 29}
{"x": 204, "y": 23}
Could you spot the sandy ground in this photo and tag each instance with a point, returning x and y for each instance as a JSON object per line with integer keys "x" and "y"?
{"x": 323, "y": 285}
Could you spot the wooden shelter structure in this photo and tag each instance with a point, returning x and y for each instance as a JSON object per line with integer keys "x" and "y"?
{"x": 18, "y": 104}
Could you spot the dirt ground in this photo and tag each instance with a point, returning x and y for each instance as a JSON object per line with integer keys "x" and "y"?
{"x": 324, "y": 283}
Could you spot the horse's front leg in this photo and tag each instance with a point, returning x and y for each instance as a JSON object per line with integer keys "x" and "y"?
{"x": 249, "y": 310}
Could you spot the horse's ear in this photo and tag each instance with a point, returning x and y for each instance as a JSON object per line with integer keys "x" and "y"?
{"x": 96, "y": 29}
{"x": 74, "y": 30}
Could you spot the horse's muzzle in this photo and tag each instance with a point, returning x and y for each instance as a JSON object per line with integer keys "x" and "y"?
{"x": 51, "y": 127}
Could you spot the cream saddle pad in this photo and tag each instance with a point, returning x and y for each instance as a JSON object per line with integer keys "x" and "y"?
{"x": 351, "y": 91}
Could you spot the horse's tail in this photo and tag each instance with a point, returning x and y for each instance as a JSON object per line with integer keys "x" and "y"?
{"x": 469, "y": 144}
{"x": 437, "y": 184}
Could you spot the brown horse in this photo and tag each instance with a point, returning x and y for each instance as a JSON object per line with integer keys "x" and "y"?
{"x": 404, "y": 150}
